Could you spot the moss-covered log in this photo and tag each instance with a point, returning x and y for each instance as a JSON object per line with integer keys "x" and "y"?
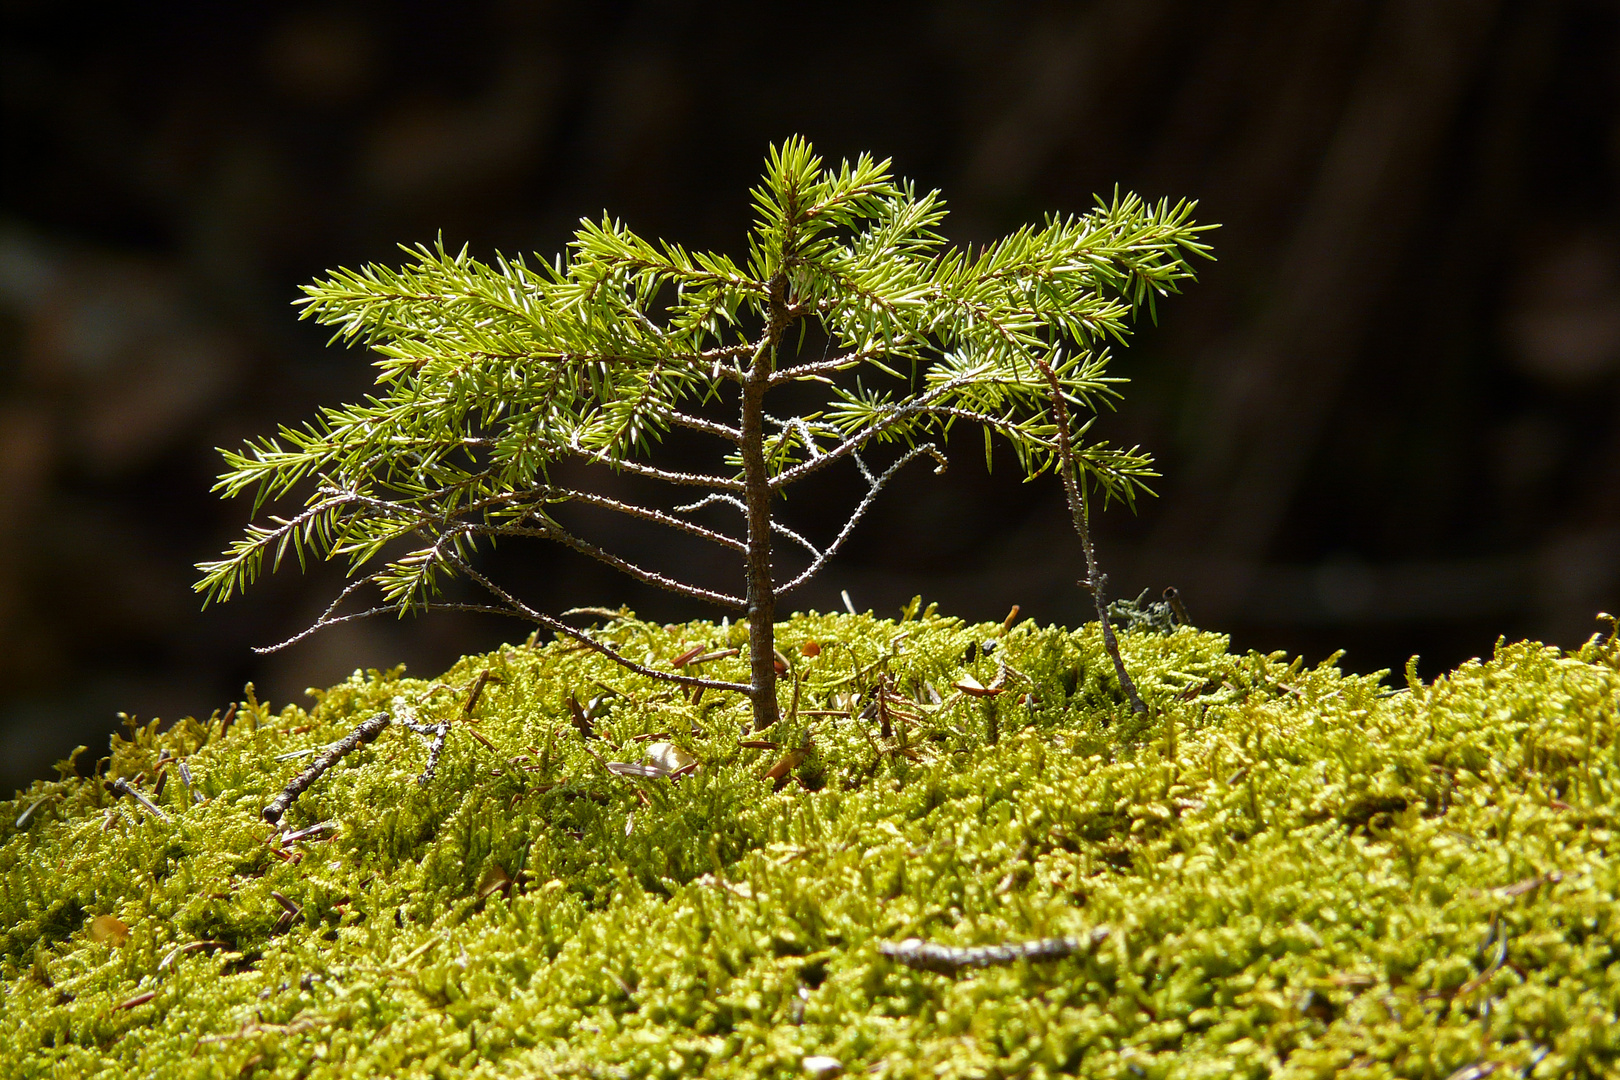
{"x": 1277, "y": 871}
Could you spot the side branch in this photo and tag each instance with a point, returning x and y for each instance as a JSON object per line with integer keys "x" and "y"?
{"x": 522, "y": 610}
{"x": 624, "y": 566}
{"x": 597, "y": 457}
{"x": 395, "y": 608}
{"x": 921, "y": 405}
{"x": 629, "y": 509}
{"x": 708, "y": 427}
{"x": 994, "y": 423}
{"x": 727, "y": 352}
{"x": 776, "y": 526}
{"x": 876, "y": 485}
{"x": 820, "y": 367}
{"x": 515, "y": 609}
{"x": 246, "y": 556}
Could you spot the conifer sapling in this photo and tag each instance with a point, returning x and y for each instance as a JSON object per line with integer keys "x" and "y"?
{"x": 492, "y": 375}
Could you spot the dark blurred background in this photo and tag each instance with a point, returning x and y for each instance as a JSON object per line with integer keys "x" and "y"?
{"x": 1386, "y": 417}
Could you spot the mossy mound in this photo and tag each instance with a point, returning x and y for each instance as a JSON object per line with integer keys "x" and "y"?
{"x": 1302, "y": 872}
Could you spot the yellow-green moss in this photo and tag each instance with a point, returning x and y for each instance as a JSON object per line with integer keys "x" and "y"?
{"x": 1306, "y": 873}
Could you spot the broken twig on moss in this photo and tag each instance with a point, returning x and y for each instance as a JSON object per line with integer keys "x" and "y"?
{"x": 439, "y": 733}
{"x": 362, "y": 734}
{"x": 923, "y": 955}
{"x": 121, "y": 786}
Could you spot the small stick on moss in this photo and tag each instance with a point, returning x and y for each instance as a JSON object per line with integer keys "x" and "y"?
{"x": 476, "y": 692}
{"x": 364, "y": 733}
{"x": 185, "y": 778}
{"x": 190, "y": 946}
{"x": 138, "y": 999}
{"x": 478, "y": 684}
{"x": 923, "y": 955}
{"x": 780, "y": 773}
{"x": 440, "y": 732}
{"x": 312, "y": 830}
{"x": 121, "y": 786}
{"x": 580, "y": 717}
{"x": 487, "y": 744}
{"x": 290, "y": 910}
{"x": 885, "y": 724}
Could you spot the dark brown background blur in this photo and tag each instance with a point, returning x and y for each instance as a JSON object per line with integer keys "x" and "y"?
{"x": 1387, "y": 417}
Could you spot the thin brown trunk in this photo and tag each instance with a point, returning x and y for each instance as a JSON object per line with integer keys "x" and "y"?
{"x": 761, "y": 596}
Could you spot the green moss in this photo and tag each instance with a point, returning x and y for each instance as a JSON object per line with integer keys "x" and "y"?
{"x": 1304, "y": 872}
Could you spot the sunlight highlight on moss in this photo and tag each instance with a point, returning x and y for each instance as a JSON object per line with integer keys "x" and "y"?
{"x": 1302, "y": 872}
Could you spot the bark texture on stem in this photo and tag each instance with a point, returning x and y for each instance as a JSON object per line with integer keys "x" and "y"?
{"x": 761, "y": 595}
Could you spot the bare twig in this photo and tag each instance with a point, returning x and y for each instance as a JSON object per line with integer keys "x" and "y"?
{"x": 669, "y": 476}
{"x": 439, "y": 732}
{"x": 921, "y": 405}
{"x": 776, "y": 526}
{"x": 796, "y": 426}
{"x": 516, "y": 607}
{"x": 362, "y": 734}
{"x": 326, "y": 621}
{"x": 948, "y": 960}
{"x": 511, "y": 608}
{"x": 551, "y": 531}
{"x": 822, "y": 367}
{"x": 698, "y": 423}
{"x": 875, "y": 485}
{"x": 120, "y": 786}
{"x": 555, "y": 493}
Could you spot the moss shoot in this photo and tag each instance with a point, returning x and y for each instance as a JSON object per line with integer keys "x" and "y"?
{"x": 1278, "y": 871}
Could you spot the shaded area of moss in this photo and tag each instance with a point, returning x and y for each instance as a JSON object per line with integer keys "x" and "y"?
{"x": 1304, "y": 872}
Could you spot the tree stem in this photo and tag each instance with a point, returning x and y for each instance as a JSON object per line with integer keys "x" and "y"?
{"x": 761, "y": 595}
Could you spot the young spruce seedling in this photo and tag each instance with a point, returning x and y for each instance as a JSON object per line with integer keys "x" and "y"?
{"x": 494, "y": 374}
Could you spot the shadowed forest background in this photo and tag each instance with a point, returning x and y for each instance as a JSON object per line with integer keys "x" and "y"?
{"x": 1388, "y": 417}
